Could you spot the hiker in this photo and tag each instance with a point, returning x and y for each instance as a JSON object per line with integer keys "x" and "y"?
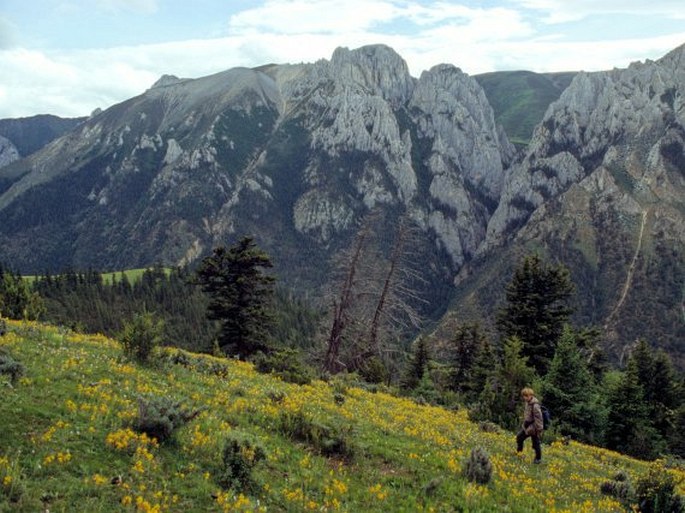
{"x": 532, "y": 423}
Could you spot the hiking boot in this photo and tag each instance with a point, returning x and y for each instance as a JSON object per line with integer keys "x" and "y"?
{"x": 537, "y": 461}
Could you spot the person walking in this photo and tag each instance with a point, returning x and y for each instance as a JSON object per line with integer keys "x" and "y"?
{"x": 532, "y": 424}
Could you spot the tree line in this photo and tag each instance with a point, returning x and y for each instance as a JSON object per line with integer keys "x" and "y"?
{"x": 637, "y": 408}
{"x": 231, "y": 305}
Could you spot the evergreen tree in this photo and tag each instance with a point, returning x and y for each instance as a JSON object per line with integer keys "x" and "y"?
{"x": 629, "y": 429}
{"x": 571, "y": 393}
{"x": 537, "y": 307}
{"x": 17, "y": 301}
{"x": 676, "y": 441}
{"x": 483, "y": 367}
{"x": 643, "y": 359}
{"x": 662, "y": 394}
{"x": 588, "y": 342}
{"x": 667, "y": 399}
{"x": 239, "y": 296}
{"x": 417, "y": 366}
{"x": 502, "y": 394}
{"x": 467, "y": 345}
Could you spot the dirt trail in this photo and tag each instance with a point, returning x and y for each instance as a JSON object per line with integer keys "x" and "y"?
{"x": 631, "y": 272}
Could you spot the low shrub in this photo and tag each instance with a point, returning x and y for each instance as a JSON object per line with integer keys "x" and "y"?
{"x": 621, "y": 490}
{"x": 286, "y": 364}
{"x": 160, "y": 417}
{"x": 238, "y": 457}
{"x": 479, "y": 412}
{"x": 478, "y": 468}
{"x": 489, "y": 427}
{"x": 328, "y": 439}
{"x": 619, "y": 487}
{"x": 141, "y": 335}
{"x": 199, "y": 363}
{"x": 10, "y": 366}
{"x": 655, "y": 492}
{"x": 374, "y": 371}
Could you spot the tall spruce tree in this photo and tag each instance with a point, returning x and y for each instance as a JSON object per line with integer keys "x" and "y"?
{"x": 668, "y": 396}
{"x": 536, "y": 309}
{"x": 662, "y": 394}
{"x": 239, "y": 293}
{"x": 483, "y": 367}
{"x": 418, "y": 365}
{"x": 676, "y": 441}
{"x": 502, "y": 393}
{"x": 571, "y": 393}
{"x": 629, "y": 429}
{"x": 467, "y": 344}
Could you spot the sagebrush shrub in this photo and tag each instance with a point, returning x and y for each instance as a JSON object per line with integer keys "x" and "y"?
{"x": 478, "y": 468}
{"x": 621, "y": 490}
{"x": 141, "y": 335}
{"x": 655, "y": 492}
{"x": 621, "y": 475}
{"x": 10, "y": 366}
{"x": 238, "y": 457}
{"x": 286, "y": 364}
{"x": 328, "y": 439}
{"x": 198, "y": 363}
{"x": 619, "y": 487}
{"x": 160, "y": 417}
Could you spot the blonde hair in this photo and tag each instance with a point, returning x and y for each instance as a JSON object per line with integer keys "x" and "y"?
{"x": 527, "y": 391}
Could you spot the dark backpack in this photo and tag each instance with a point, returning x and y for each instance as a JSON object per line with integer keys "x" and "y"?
{"x": 546, "y": 417}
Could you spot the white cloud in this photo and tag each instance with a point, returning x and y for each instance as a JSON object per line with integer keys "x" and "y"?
{"x": 73, "y": 83}
{"x": 312, "y": 16}
{"x": 559, "y": 11}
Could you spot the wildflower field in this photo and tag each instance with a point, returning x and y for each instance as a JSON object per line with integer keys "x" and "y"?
{"x": 67, "y": 443}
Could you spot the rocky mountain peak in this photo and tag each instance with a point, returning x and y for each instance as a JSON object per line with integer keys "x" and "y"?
{"x": 596, "y": 121}
{"x": 166, "y": 80}
{"x": 675, "y": 58}
{"x": 378, "y": 68}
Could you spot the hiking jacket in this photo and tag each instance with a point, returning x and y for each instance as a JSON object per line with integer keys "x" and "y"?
{"x": 532, "y": 417}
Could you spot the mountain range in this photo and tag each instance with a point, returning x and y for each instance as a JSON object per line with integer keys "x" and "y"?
{"x": 300, "y": 154}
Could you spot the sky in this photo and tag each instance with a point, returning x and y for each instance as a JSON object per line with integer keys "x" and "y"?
{"x": 69, "y": 57}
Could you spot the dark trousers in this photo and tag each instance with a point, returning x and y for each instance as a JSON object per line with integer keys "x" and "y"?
{"x": 521, "y": 436}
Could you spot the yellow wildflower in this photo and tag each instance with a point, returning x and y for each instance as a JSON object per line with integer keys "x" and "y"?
{"x": 98, "y": 479}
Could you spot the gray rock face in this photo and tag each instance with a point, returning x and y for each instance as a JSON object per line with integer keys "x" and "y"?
{"x": 8, "y": 152}
{"x": 297, "y": 153}
{"x": 439, "y": 129}
{"x": 602, "y": 189}
{"x": 593, "y": 123}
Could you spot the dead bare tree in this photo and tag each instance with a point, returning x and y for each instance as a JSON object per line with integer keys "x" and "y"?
{"x": 376, "y": 300}
{"x": 343, "y": 303}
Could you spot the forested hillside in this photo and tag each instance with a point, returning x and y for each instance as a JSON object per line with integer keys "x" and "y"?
{"x": 519, "y": 99}
{"x": 635, "y": 406}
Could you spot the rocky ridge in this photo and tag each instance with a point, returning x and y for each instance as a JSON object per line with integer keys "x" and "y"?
{"x": 592, "y": 125}
{"x": 601, "y": 188}
{"x": 189, "y": 163}
{"x": 300, "y": 154}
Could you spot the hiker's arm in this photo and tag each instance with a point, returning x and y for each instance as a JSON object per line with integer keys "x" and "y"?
{"x": 537, "y": 418}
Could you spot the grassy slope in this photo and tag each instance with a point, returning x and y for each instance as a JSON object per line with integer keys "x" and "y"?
{"x": 133, "y": 275}
{"x": 78, "y": 393}
{"x": 520, "y": 98}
